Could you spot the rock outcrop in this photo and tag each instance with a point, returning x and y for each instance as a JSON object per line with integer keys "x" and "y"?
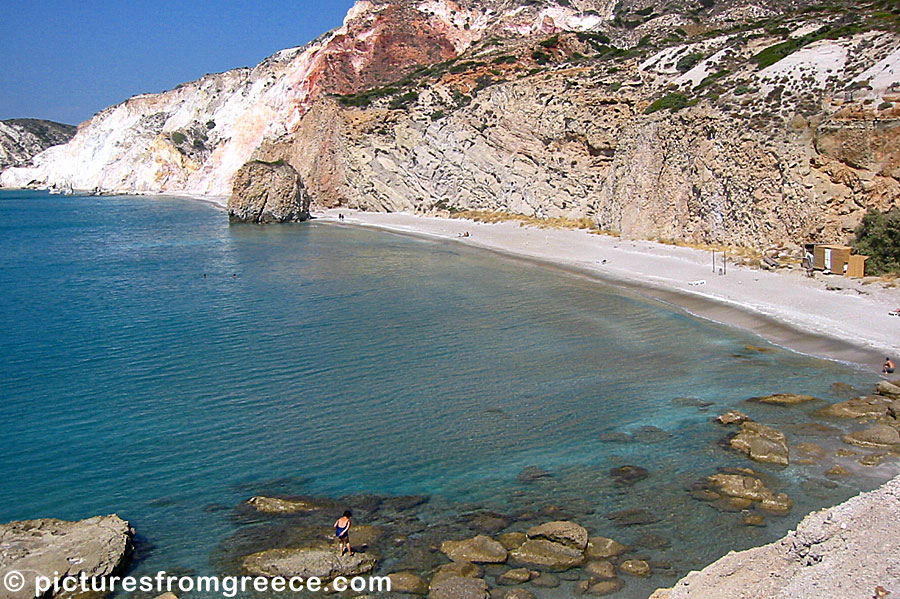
{"x": 22, "y": 139}
{"x": 322, "y": 562}
{"x": 96, "y": 547}
{"x": 268, "y": 192}
{"x": 762, "y": 443}
{"x": 844, "y": 551}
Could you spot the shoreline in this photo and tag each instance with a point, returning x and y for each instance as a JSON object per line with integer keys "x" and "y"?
{"x": 785, "y": 308}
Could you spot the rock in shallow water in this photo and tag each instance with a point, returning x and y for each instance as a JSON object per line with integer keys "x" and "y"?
{"x": 762, "y": 443}
{"x": 268, "y": 192}
{"x": 628, "y": 475}
{"x": 479, "y": 550}
{"x": 602, "y": 547}
{"x": 96, "y": 547}
{"x": 408, "y": 582}
{"x": 783, "y": 399}
{"x": 880, "y": 436}
{"x": 322, "y": 562}
{"x": 541, "y": 553}
{"x": 459, "y": 587}
{"x": 563, "y": 532}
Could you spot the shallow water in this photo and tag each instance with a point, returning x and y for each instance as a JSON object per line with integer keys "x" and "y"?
{"x": 158, "y": 363}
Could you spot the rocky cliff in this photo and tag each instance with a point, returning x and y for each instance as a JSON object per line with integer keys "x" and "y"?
{"x": 714, "y": 122}
{"x": 850, "y": 550}
{"x": 22, "y": 139}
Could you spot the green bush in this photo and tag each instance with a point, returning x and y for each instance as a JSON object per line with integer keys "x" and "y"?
{"x": 403, "y": 100}
{"x": 540, "y": 57}
{"x": 550, "y": 42}
{"x": 178, "y": 137}
{"x": 688, "y": 61}
{"x": 506, "y": 59}
{"x": 884, "y": 105}
{"x": 878, "y": 236}
{"x": 674, "y": 101}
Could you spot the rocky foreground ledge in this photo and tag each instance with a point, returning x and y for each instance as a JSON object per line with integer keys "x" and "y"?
{"x": 845, "y": 551}
{"x": 97, "y": 547}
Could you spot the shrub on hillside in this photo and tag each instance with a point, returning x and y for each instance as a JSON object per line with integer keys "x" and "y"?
{"x": 878, "y": 236}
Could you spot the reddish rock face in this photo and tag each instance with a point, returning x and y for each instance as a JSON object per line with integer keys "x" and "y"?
{"x": 377, "y": 51}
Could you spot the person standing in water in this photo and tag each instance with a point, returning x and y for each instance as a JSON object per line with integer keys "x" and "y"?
{"x": 342, "y": 532}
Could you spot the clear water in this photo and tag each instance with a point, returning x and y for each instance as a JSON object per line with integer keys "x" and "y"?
{"x": 155, "y": 362}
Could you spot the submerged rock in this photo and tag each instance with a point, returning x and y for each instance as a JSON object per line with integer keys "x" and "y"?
{"x": 628, "y": 475}
{"x": 408, "y": 582}
{"x": 480, "y": 550}
{"x": 459, "y": 587}
{"x": 762, "y": 443}
{"x": 268, "y": 192}
{"x": 515, "y": 576}
{"x": 783, "y": 399}
{"x": 605, "y": 587}
{"x": 633, "y": 517}
{"x": 96, "y": 547}
{"x": 284, "y": 505}
{"x": 532, "y": 473}
{"x": 457, "y": 569}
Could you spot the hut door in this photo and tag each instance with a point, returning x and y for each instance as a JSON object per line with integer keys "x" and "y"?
{"x": 828, "y": 259}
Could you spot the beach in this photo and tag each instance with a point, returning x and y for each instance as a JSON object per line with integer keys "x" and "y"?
{"x": 849, "y": 324}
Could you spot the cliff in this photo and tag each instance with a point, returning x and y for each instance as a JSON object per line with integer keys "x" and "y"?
{"x": 845, "y": 551}
{"x": 718, "y": 122}
{"x": 22, "y": 139}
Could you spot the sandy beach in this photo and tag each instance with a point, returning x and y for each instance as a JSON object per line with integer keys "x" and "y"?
{"x": 850, "y": 324}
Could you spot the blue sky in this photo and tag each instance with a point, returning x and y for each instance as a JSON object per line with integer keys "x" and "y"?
{"x": 65, "y": 60}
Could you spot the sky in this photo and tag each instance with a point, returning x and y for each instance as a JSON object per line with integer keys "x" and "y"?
{"x": 65, "y": 60}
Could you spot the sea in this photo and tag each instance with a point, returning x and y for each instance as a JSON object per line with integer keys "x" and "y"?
{"x": 161, "y": 364}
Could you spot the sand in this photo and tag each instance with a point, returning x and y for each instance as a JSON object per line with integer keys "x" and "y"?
{"x": 788, "y": 308}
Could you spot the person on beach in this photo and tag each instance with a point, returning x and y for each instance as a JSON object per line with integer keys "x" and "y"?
{"x": 888, "y": 366}
{"x": 342, "y": 532}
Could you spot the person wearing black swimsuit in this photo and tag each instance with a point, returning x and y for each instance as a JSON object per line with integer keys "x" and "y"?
{"x": 342, "y": 532}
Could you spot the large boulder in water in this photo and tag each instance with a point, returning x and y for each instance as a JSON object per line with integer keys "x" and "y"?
{"x": 561, "y": 531}
{"x": 322, "y": 562}
{"x": 880, "y": 436}
{"x": 478, "y": 550}
{"x": 268, "y": 192}
{"x": 96, "y": 547}
{"x": 762, "y": 443}
{"x": 541, "y": 553}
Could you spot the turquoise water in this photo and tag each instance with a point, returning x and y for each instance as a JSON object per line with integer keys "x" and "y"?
{"x": 161, "y": 364}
